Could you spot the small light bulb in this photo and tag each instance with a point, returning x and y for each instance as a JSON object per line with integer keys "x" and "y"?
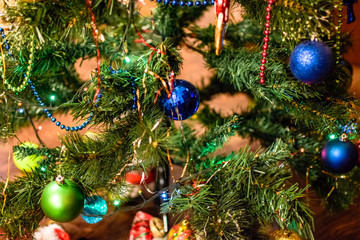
{"x": 39, "y": 128}
{"x": 332, "y": 136}
{"x": 116, "y": 203}
{"x": 302, "y": 150}
{"x": 21, "y": 110}
{"x": 52, "y": 97}
{"x": 127, "y": 59}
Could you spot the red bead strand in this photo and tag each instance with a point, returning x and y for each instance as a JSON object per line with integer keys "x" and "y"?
{"x": 266, "y": 42}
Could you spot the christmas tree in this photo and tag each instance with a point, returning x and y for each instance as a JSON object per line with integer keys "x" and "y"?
{"x": 134, "y": 120}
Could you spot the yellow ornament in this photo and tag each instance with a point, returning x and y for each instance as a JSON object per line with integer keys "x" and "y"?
{"x": 29, "y": 162}
{"x": 284, "y": 235}
{"x": 181, "y": 231}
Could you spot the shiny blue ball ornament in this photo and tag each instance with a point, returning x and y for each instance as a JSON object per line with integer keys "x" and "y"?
{"x": 95, "y": 206}
{"x": 339, "y": 155}
{"x": 183, "y": 101}
{"x": 311, "y": 62}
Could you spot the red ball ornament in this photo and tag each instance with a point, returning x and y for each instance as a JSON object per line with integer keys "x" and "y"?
{"x": 135, "y": 177}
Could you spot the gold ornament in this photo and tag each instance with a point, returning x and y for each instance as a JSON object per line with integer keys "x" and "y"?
{"x": 181, "y": 231}
{"x": 284, "y": 235}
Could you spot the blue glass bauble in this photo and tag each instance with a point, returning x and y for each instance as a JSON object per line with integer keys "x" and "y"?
{"x": 339, "y": 156}
{"x": 95, "y": 206}
{"x": 311, "y": 62}
{"x": 183, "y": 101}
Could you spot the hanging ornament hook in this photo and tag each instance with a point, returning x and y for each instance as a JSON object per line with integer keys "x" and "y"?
{"x": 344, "y": 137}
{"x": 59, "y": 180}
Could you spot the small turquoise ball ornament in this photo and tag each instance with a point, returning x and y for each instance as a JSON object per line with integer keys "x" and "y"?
{"x": 96, "y": 206}
{"x": 311, "y": 62}
{"x": 339, "y": 155}
{"x": 183, "y": 101}
{"x": 62, "y": 200}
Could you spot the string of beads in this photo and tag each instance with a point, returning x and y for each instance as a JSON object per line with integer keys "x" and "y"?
{"x": 266, "y": 42}
{"x": 24, "y": 83}
{"x": 27, "y": 81}
{"x": 188, "y": 3}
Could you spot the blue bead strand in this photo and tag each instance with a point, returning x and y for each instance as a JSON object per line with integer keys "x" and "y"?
{"x": 6, "y": 43}
{"x": 176, "y": 3}
{"x": 53, "y": 119}
{"x": 132, "y": 85}
{"x": 38, "y": 98}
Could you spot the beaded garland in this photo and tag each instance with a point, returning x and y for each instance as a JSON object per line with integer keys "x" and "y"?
{"x": 338, "y": 32}
{"x": 188, "y": 3}
{"x": 132, "y": 85}
{"x": 29, "y": 67}
{"x": 27, "y": 81}
{"x": 266, "y": 42}
{"x": 53, "y": 119}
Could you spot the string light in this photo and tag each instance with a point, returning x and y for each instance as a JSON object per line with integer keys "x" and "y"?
{"x": 116, "y": 203}
{"x": 21, "y": 110}
{"x": 127, "y": 59}
{"x": 164, "y": 196}
{"x": 302, "y": 150}
{"x": 39, "y": 128}
{"x": 332, "y": 136}
{"x": 52, "y": 97}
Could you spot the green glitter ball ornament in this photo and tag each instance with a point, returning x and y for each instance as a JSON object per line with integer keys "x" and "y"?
{"x": 62, "y": 200}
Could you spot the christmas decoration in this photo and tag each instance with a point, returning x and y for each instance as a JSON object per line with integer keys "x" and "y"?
{"x": 311, "y": 62}
{"x": 145, "y": 227}
{"x": 157, "y": 227}
{"x": 51, "y": 232}
{"x": 338, "y": 32}
{"x": 222, "y": 9}
{"x": 136, "y": 179}
{"x": 284, "y": 235}
{"x": 181, "y": 231}
{"x": 339, "y": 155}
{"x": 183, "y": 101}
{"x": 53, "y": 119}
{"x": 62, "y": 200}
{"x": 266, "y": 42}
{"x": 94, "y": 205}
{"x": 350, "y": 10}
{"x": 28, "y": 163}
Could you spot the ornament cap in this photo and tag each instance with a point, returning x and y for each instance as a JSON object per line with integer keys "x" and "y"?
{"x": 59, "y": 180}
{"x": 344, "y": 137}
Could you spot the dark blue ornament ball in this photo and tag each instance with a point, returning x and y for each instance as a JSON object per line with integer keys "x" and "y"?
{"x": 96, "y": 206}
{"x": 311, "y": 62}
{"x": 183, "y": 101}
{"x": 338, "y": 156}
